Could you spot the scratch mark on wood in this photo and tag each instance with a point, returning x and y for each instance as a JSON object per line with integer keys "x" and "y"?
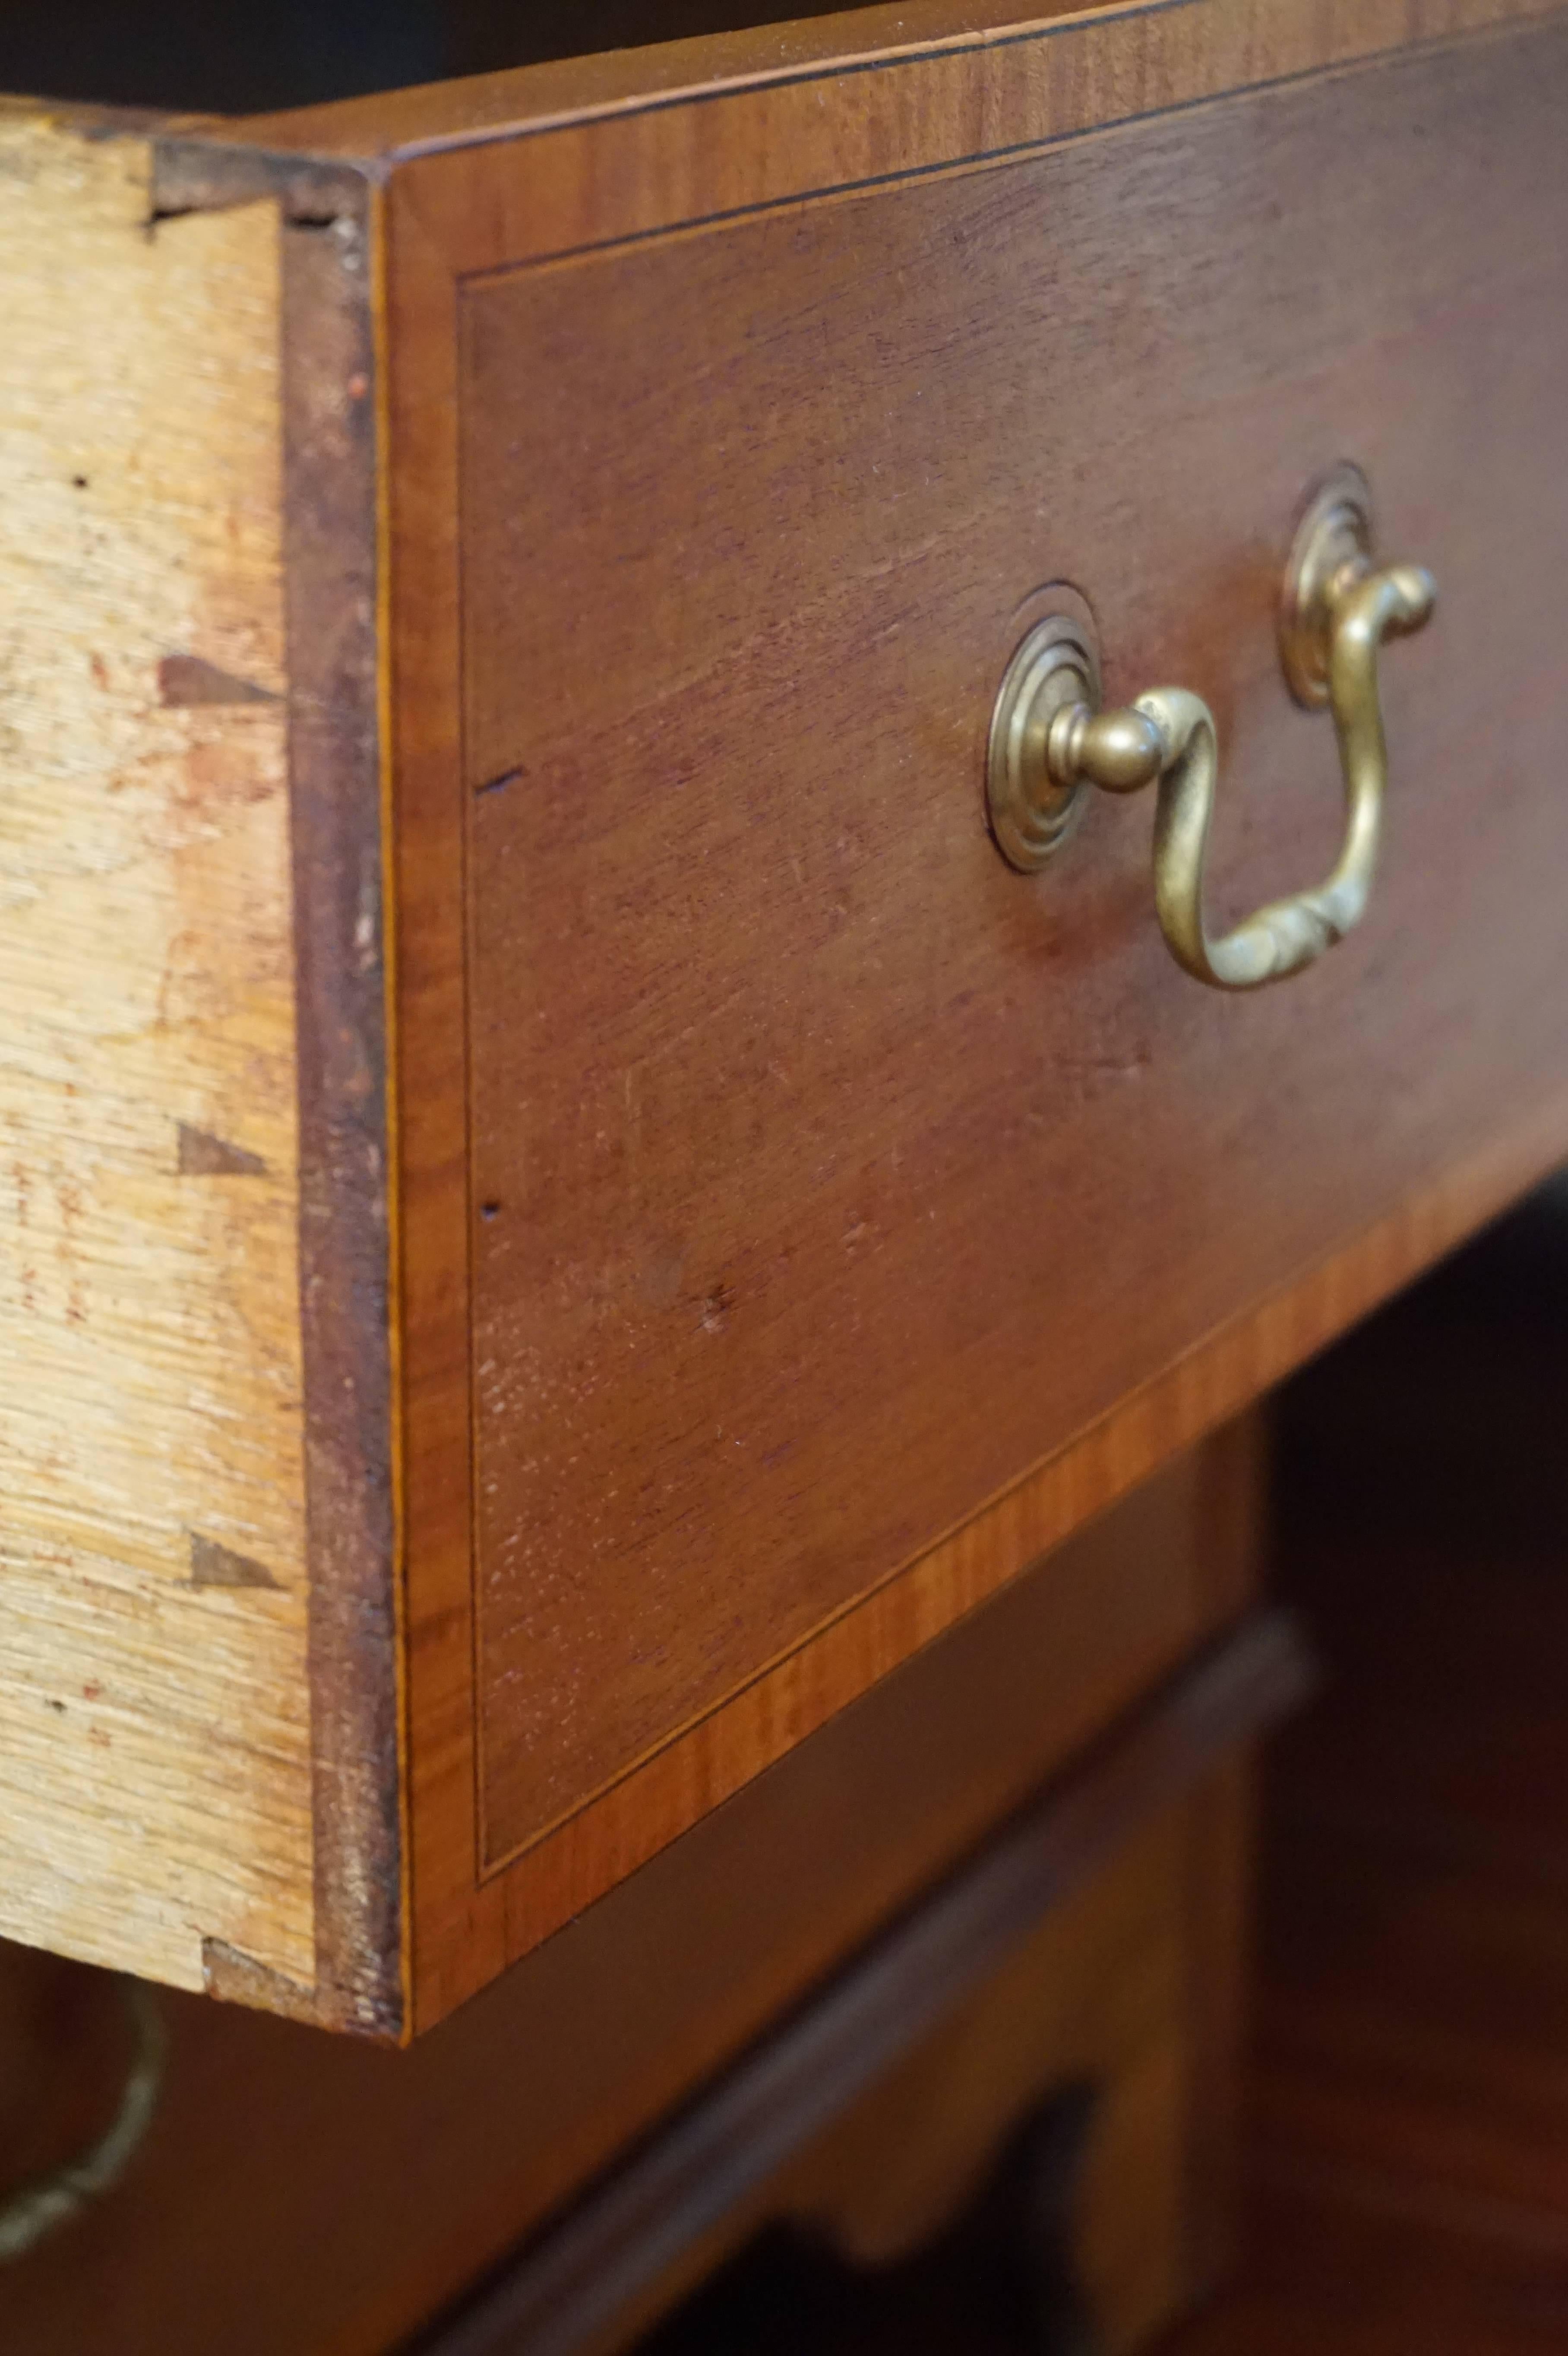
{"x": 499, "y": 785}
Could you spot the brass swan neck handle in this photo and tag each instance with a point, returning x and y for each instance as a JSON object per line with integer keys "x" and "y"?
{"x": 1054, "y": 740}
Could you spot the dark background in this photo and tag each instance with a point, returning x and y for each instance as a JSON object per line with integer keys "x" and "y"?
{"x": 203, "y": 55}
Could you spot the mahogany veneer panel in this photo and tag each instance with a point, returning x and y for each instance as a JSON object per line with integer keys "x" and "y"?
{"x": 826, "y": 1173}
{"x": 823, "y": 1172}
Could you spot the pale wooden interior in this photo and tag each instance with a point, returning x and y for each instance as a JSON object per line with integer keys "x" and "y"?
{"x": 155, "y": 1770}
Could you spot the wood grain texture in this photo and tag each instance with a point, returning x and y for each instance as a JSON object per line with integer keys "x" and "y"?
{"x": 1404, "y": 2153}
{"x": 558, "y": 2299}
{"x": 1221, "y": 1869}
{"x": 1093, "y": 66}
{"x": 332, "y": 616}
{"x": 460, "y": 2147}
{"x": 1108, "y": 1993}
{"x": 332, "y": 560}
{"x": 1098, "y": 1996}
{"x": 154, "y": 1761}
{"x": 725, "y": 847}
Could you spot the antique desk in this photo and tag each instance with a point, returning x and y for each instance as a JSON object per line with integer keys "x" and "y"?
{"x": 615, "y": 1143}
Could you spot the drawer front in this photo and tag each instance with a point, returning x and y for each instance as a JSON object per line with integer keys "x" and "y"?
{"x": 823, "y": 1174}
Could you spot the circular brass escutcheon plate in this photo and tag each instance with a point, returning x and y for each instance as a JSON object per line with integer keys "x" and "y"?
{"x": 1056, "y": 664}
{"x": 1335, "y": 531}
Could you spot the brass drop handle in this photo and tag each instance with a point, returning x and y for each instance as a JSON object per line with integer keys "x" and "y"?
{"x": 37, "y": 2209}
{"x": 1050, "y": 738}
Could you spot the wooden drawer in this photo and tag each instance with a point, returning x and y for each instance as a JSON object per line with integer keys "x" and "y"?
{"x": 594, "y": 2133}
{"x": 571, "y": 1210}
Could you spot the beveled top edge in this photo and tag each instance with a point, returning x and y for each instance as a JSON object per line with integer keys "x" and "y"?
{"x": 391, "y": 125}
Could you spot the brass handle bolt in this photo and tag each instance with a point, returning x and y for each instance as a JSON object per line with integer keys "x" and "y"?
{"x": 1050, "y": 739}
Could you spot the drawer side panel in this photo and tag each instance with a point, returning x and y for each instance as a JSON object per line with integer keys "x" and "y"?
{"x": 155, "y": 1723}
